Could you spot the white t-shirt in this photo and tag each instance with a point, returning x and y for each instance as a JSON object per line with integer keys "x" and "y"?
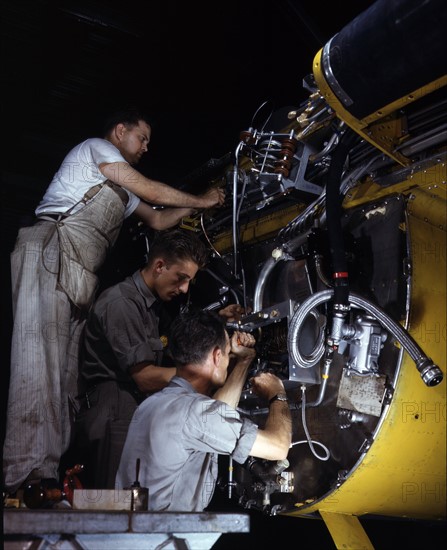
{"x": 79, "y": 172}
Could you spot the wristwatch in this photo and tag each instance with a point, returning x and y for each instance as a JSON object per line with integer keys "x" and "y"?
{"x": 278, "y": 397}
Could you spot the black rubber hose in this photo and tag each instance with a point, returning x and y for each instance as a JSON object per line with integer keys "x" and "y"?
{"x": 334, "y": 213}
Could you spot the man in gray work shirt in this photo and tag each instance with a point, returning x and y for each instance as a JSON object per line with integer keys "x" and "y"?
{"x": 178, "y": 432}
{"x": 122, "y": 351}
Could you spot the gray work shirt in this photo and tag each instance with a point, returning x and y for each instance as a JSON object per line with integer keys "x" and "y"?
{"x": 177, "y": 434}
{"x": 122, "y": 331}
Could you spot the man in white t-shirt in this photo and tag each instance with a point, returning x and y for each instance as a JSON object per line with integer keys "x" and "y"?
{"x": 53, "y": 268}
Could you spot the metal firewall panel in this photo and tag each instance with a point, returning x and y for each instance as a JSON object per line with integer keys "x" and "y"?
{"x": 282, "y": 313}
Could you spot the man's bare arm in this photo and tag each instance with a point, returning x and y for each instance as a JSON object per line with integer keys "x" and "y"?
{"x": 272, "y": 442}
{"x": 161, "y": 219}
{"x": 150, "y": 378}
{"x": 157, "y": 192}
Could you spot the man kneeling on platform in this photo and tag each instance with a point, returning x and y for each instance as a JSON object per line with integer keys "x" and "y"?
{"x": 178, "y": 432}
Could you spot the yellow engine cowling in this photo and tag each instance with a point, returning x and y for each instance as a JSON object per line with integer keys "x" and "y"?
{"x": 403, "y": 472}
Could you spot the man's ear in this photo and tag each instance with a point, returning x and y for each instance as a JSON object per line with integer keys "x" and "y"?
{"x": 120, "y": 129}
{"x": 217, "y": 355}
{"x": 158, "y": 265}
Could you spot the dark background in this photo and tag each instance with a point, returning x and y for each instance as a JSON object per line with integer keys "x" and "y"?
{"x": 201, "y": 70}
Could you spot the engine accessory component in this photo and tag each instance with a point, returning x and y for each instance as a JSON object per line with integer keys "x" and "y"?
{"x": 430, "y": 373}
{"x": 365, "y": 339}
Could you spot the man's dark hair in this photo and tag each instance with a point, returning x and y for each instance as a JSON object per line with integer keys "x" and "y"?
{"x": 194, "y": 334}
{"x": 129, "y": 116}
{"x": 178, "y": 244}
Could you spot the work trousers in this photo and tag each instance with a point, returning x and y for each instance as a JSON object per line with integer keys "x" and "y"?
{"x": 44, "y": 361}
{"x": 101, "y": 429}
{"x": 53, "y": 267}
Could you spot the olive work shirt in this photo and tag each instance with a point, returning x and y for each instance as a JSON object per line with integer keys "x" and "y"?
{"x": 177, "y": 434}
{"x": 122, "y": 331}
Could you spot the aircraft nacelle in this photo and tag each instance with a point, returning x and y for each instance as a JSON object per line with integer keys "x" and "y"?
{"x": 334, "y": 240}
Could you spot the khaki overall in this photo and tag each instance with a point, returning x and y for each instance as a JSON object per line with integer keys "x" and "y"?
{"x": 53, "y": 269}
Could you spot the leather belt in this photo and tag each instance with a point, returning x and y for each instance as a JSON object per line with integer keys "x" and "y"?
{"x": 50, "y": 216}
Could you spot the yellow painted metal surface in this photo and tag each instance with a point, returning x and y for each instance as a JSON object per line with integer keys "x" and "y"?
{"x": 403, "y": 473}
{"x": 259, "y": 229}
{"x": 346, "y": 531}
{"x": 377, "y": 128}
{"x": 431, "y": 181}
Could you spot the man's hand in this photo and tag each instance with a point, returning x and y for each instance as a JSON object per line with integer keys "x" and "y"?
{"x": 242, "y": 345}
{"x": 267, "y": 385}
{"x": 242, "y": 350}
{"x": 232, "y": 313}
{"x": 213, "y": 197}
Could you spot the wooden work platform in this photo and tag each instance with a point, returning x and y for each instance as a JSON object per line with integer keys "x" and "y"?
{"x": 109, "y": 530}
